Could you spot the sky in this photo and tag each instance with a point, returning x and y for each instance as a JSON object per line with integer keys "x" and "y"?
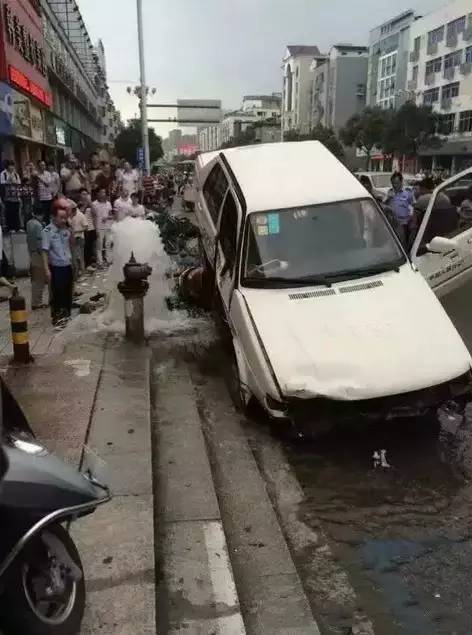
{"x": 222, "y": 49}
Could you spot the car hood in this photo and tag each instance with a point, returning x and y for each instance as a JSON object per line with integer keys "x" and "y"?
{"x": 382, "y": 335}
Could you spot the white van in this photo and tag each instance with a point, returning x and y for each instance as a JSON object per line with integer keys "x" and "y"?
{"x": 327, "y": 313}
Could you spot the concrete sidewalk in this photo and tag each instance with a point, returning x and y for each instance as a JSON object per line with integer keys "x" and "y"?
{"x": 96, "y": 391}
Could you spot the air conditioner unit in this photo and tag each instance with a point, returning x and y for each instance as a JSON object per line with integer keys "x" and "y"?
{"x": 446, "y": 103}
{"x": 432, "y": 48}
{"x": 451, "y": 40}
{"x": 466, "y": 68}
{"x": 430, "y": 79}
{"x": 449, "y": 72}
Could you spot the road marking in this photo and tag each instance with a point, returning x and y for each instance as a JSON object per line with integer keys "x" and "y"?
{"x": 222, "y": 580}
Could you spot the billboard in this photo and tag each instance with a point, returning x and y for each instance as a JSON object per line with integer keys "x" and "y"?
{"x": 187, "y": 149}
{"x": 6, "y": 109}
{"x": 198, "y": 111}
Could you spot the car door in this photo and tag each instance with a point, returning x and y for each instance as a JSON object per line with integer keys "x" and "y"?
{"x": 208, "y": 208}
{"x": 450, "y": 266}
{"x": 227, "y": 245}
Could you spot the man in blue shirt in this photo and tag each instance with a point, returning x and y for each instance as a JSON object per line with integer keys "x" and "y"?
{"x": 57, "y": 259}
{"x": 401, "y": 202}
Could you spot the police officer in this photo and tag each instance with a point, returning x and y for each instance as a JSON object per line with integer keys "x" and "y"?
{"x": 57, "y": 259}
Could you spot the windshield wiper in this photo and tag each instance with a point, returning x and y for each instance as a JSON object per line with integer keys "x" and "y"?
{"x": 365, "y": 271}
{"x": 303, "y": 281}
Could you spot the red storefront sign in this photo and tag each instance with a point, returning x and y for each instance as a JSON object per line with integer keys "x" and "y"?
{"x": 21, "y": 81}
{"x": 22, "y": 52}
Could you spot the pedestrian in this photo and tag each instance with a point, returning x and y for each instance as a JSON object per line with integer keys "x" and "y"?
{"x": 444, "y": 219}
{"x": 34, "y": 239}
{"x": 105, "y": 180}
{"x": 57, "y": 260}
{"x": 90, "y": 235}
{"x": 137, "y": 210}
{"x": 55, "y": 180}
{"x": 78, "y": 224}
{"x": 401, "y": 201}
{"x": 465, "y": 210}
{"x": 102, "y": 215}
{"x": 93, "y": 172}
{"x": 11, "y": 184}
{"x": 122, "y": 206}
{"x": 44, "y": 188}
{"x": 73, "y": 179}
{"x": 128, "y": 178}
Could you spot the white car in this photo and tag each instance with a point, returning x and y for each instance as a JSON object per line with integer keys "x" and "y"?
{"x": 381, "y": 182}
{"x": 318, "y": 293}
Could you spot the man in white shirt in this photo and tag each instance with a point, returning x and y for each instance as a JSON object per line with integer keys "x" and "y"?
{"x": 122, "y": 206}
{"x": 78, "y": 224}
{"x": 73, "y": 179}
{"x": 10, "y": 185}
{"x": 44, "y": 188}
{"x": 137, "y": 210}
{"x": 129, "y": 178}
{"x": 101, "y": 211}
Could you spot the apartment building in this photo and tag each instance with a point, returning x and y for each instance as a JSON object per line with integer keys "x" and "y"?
{"x": 389, "y": 47}
{"x": 297, "y": 87}
{"x": 339, "y": 85}
{"x": 440, "y": 75}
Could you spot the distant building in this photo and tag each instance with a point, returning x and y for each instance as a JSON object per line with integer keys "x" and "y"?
{"x": 176, "y": 141}
{"x": 339, "y": 85}
{"x": 297, "y": 87}
{"x": 389, "y": 46}
{"x": 263, "y": 106}
{"x": 440, "y": 75}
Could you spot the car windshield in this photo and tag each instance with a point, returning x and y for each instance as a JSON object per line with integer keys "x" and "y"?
{"x": 318, "y": 244}
{"x": 381, "y": 180}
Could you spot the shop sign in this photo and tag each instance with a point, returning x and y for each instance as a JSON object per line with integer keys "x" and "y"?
{"x": 19, "y": 79}
{"x": 6, "y": 109}
{"x": 21, "y": 115}
{"x": 37, "y": 126}
{"x": 19, "y": 38}
{"x": 62, "y": 133}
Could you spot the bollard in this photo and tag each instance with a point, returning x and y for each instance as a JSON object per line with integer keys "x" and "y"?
{"x": 19, "y": 330}
{"x": 133, "y": 288}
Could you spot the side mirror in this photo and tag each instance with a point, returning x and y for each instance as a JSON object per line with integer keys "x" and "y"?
{"x": 441, "y": 245}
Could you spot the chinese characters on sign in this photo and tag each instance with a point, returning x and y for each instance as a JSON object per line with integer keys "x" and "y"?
{"x": 20, "y": 80}
{"x": 20, "y": 39}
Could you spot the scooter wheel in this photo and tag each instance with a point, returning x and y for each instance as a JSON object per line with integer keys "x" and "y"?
{"x": 24, "y": 609}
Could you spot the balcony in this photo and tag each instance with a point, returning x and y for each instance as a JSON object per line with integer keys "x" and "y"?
{"x": 430, "y": 79}
{"x": 451, "y": 40}
{"x": 412, "y": 84}
{"x": 466, "y": 68}
{"x": 446, "y": 103}
{"x": 449, "y": 72}
{"x": 414, "y": 56}
{"x": 432, "y": 48}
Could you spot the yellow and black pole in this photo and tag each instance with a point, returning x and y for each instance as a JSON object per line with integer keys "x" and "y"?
{"x": 19, "y": 330}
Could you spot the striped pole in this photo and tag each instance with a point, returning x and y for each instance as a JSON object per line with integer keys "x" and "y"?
{"x": 19, "y": 330}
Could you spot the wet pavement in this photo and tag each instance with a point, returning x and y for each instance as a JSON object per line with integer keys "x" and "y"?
{"x": 388, "y": 548}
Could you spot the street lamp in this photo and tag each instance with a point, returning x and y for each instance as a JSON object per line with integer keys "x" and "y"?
{"x": 139, "y": 92}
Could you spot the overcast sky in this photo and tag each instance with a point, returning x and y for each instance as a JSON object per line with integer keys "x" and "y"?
{"x": 223, "y": 49}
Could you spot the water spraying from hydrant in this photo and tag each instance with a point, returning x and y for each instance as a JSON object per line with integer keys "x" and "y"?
{"x": 133, "y": 288}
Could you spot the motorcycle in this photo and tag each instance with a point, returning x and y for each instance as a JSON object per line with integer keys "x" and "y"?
{"x": 42, "y": 588}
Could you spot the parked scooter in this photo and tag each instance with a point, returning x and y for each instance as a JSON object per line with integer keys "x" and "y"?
{"x": 42, "y": 588}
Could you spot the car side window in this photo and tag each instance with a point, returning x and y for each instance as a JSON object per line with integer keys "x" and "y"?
{"x": 214, "y": 190}
{"x": 229, "y": 231}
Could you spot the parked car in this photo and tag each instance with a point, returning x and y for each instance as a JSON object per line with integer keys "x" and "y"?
{"x": 381, "y": 183}
{"x": 317, "y": 291}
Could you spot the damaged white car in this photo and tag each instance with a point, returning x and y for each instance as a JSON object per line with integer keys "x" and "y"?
{"x": 321, "y": 299}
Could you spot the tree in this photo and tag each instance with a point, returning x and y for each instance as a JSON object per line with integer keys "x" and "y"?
{"x": 327, "y": 136}
{"x": 129, "y": 140}
{"x": 411, "y": 128}
{"x": 245, "y": 138}
{"x": 366, "y": 130}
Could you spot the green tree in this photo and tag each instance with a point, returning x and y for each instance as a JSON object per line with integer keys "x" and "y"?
{"x": 327, "y": 136}
{"x": 366, "y": 130}
{"x": 411, "y": 128}
{"x": 129, "y": 140}
{"x": 245, "y": 138}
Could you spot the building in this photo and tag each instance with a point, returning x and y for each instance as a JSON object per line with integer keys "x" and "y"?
{"x": 263, "y": 106}
{"x": 53, "y": 89}
{"x": 111, "y": 117}
{"x": 178, "y": 143}
{"x": 209, "y": 138}
{"x": 297, "y": 87}
{"x": 339, "y": 85}
{"x": 440, "y": 75}
{"x": 389, "y": 46}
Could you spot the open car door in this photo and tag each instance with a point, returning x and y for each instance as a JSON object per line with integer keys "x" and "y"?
{"x": 442, "y": 249}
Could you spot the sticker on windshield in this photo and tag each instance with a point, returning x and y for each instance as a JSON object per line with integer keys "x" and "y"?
{"x": 261, "y": 219}
{"x": 273, "y": 223}
{"x": 262, "y": 230}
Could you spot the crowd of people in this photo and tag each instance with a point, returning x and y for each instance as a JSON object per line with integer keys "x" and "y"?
{"x": 67, "y": 215}
{"x": 405, "y": 206}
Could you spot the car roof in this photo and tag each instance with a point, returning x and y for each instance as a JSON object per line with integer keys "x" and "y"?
{"x": 290, "y": 174}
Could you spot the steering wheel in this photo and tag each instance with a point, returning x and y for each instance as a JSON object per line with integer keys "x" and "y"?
{"x": 281, "y": 264}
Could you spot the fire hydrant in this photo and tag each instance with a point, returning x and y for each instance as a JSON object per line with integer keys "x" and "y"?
{"x": 134, "y": 288}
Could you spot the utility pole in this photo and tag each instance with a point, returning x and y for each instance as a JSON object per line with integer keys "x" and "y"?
{"x": 143, "y": 91}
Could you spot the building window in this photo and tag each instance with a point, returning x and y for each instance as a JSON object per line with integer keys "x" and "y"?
{"x": 452, "y": 59}
{"x": 431, "y": 96}
{"x": 436, "y": 36}
{"x": 450, "y": 90}
{"x": 414, "y": 75}
{"x": 465, "y": 121}
{"x": 386, "y": 79}
{"x": 417, "y": 44}
{"x": 468, "y": 54}
{"x": 456, "y": 26}
{"x": 447, "y": 123}
{"x": 434, "y": 66}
